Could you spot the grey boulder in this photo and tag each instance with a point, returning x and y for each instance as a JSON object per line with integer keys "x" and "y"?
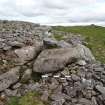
{"x": 51, "y": 43}
{"x": 28, "y": 53}
{"x": 84, "y": 53}
{"x": 48, "y": 42}
{"x": 9, "y": 78}
{"x": 53, "y": 60}
{"x": 56, "y": 59}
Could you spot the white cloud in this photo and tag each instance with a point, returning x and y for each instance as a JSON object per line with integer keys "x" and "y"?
{"x": 54, "y": 11}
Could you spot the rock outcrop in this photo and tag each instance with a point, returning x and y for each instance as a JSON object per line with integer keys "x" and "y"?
{"x": 62, "y": 72}
{"x": 56, "y": 59}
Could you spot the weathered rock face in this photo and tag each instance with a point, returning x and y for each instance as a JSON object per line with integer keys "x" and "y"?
{"x": 81, "y": 81}
{"x": 9, "y": 78}
{"x": 56, "y": 59}
{"x": 84, "y": 52}
{"x": 28, "y": 53}
{"x": 53, "y": 60}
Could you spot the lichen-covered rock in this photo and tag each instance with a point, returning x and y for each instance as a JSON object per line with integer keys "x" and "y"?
{"x": 9, "y": 78}
{"x": 28, "y": 53}
{"x": 53, "y": 60}
{"x": 84, "y": 52}
{"x": 56, "y": 59}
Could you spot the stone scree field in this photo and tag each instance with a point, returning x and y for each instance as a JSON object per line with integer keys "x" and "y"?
{"x": 38, "y": 69}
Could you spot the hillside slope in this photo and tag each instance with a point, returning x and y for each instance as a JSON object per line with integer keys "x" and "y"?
{"x": 94, "y": 35}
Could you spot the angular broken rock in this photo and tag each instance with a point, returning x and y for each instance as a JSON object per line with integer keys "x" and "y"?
{"x": 56, "y": 59}
{"x": 28, "y": 53}
{"x": 101, "y": 89}
{"x": 51, "y": 43}
{"x": 48, "y": 42}
{"x": 9, "y": 78}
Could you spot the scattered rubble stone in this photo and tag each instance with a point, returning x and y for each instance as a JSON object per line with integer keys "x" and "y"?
{"x": 69, "y": 73}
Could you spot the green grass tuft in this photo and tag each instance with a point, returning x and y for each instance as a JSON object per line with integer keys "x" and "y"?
{"x": 31, "y": 98}
{"x": 58, "y": 37}
{"x": 13, "y": 101}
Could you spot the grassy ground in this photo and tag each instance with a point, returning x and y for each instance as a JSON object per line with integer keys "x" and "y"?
{"x": 95, "y": 36}
{"x": 31, "y": 98}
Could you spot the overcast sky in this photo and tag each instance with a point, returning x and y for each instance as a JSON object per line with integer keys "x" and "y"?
{"x": 55, "y": 12}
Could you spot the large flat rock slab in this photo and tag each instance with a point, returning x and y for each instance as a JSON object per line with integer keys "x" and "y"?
{"x": 52, "y": 60}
